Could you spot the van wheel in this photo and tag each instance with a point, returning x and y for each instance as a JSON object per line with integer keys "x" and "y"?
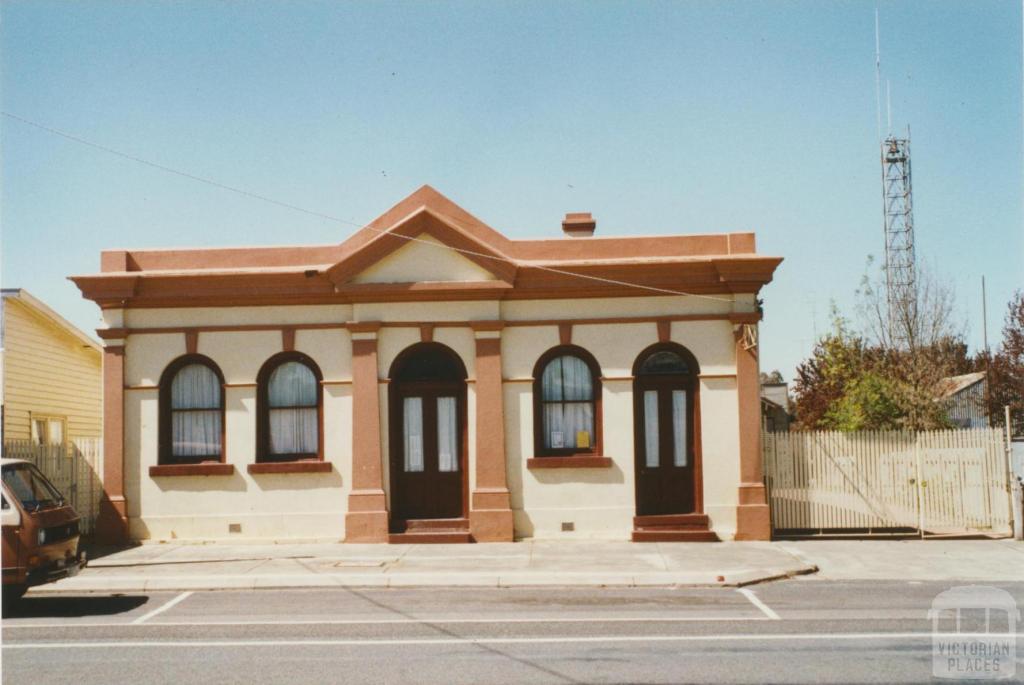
{"x": 12, "y": 593}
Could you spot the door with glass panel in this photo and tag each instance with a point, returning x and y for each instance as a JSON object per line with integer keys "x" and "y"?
{"x": 428, "y": 481}
{"x": 664, "y": 446}
{"x": 428, "y": 395}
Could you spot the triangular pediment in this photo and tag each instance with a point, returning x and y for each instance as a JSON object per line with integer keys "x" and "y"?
{"x": 423, "y": 259}
{"x": 424, "y": 246}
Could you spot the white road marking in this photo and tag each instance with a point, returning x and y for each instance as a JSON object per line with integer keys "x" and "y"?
{"x": 756, "y": 601}
{"x": 402, "y": 621}
{"x": 161, "y": 609}
{"x": 747, "y": 637}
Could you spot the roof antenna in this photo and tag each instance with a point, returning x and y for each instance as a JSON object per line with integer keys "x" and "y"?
{"x": 878, "y": 80}
{"x": 888, "y": 109}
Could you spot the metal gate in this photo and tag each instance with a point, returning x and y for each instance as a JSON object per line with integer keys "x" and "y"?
{"x": 73, "y": 467}
{"x": 930, "y": 483}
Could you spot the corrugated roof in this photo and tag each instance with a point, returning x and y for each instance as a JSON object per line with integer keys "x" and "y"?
{"x": 953, "y": 384}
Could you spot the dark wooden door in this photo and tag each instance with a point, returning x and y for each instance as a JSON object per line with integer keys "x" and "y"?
{"x": 665, "y": 467}
{"x": 428, "y": 450}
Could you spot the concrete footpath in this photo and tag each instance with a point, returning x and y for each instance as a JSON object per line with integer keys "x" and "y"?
{"x": 215, "y": 566}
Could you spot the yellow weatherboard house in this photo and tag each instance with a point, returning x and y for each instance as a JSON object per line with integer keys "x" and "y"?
{"x": 432, "y": 380}
{"x": 51, "y": 375}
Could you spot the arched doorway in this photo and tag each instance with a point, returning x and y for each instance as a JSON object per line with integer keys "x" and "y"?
{"x": 666, "y": 455}
{"x": 427, "y": 405}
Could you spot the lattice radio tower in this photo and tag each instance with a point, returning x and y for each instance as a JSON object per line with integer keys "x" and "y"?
{"x": 898, "y": 209}
{"x": 900, "y": 269}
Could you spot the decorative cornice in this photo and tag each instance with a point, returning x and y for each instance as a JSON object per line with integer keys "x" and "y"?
{"x": 109, "y": 290}
{"x": 493, "y": 325}
{"x": 721, "y": 276}
{"x": 746, "y": 317}
{"x": 113, "y": 333}
{"x": 363, "y": 326}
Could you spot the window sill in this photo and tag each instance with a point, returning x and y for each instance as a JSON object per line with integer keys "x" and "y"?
{"x": 290, "y": 467}
{"x": 587, "y": 461}
{"x": 204, "y": 469}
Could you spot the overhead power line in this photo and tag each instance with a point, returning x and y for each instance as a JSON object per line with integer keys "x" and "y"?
{"x": 328, "y": 217}
{"x": 177, "y": 172}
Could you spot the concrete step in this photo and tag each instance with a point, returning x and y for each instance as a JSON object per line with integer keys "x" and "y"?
{"x": 416, "y": 525}
{"x": 672, "y": 521}
{"x": 673, "y": 528}
{"x": 430, "y": 531}
{"x": 665, "y": 535}
{"x": 428, "y": 537}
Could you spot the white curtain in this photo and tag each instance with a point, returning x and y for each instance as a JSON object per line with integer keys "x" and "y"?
{"x": 195, "y": 386}
{"x": 651, "y": 455}
{"x": 576, "y": 381}
{"x": 562, "y": 423}
{"x": 293, "y": 431}
{"x": 679, "y": 427}
{"x": 292, "y": 384}
{"x": 447, "y": 435}
{"x": 56, "y": 432}
{"x": 38, "y": 431}
{"x": 292, "y": 396}
{"x": 567, "y": 379}
{"x": 551, "y": 381}
{"x": 554, "y": 431}
{"x": 412, "y": 412}
{"x": 195, "y": 412}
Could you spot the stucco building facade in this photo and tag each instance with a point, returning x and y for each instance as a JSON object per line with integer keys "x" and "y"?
{"x": 431, "y": 379}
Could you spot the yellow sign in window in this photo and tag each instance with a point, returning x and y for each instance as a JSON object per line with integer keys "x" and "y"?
{"x": 583, "y": 439}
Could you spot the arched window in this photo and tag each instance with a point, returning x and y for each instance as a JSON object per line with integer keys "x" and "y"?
{"x": 567, "y": 403}
{"x": 191, "y": 411}
{"x": 289, "y": 409}
{"x": 663, "y": 362}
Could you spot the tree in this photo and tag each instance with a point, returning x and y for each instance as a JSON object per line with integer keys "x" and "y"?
{"x": 773, "y": 377}
{"x": 838, "y": 359}
{"x": 919, "y": 342}
{"x": 1006, "y": 370}
{"x": 925, "y": 320}
{"x": 889, "y": 374}
{"x": 871, "y": 402}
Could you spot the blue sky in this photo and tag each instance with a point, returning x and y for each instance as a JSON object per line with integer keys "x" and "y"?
{"x": 660, "y": 118}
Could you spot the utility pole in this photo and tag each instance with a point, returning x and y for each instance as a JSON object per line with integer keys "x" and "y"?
{"x": 1016, "y": 495}
{"x": 984, "y": 315}
{"x": 988, "y": 361}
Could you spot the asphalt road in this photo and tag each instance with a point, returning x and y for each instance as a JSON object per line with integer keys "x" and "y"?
{"x": 793, "y": 631}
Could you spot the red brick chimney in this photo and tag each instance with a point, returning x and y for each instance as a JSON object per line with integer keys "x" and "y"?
{"x": 579, "y": 224}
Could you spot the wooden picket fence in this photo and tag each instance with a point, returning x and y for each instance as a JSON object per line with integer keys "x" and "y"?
{"x": 73, "y": 467}
{"x": 934, "y": 482}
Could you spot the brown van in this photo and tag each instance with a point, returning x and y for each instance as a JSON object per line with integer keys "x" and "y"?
{"x": 40, "y": 530}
